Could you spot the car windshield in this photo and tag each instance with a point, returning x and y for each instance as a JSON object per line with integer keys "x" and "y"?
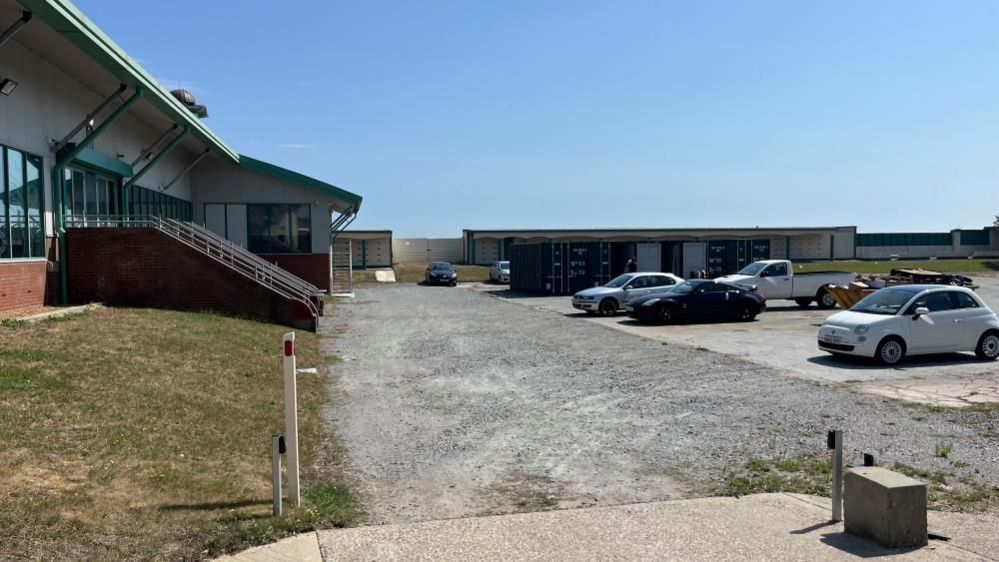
{"x": 886, "y": 301}
{"x": 684, "y": 288}
{"x": 440, "y": 267}
{"x": 619, "y": 281}
{"x": 504, "y": 265}
{"x": 752, "y": 269}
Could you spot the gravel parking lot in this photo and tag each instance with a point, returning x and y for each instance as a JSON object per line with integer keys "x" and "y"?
{"x": 783, "y": 337}
{"x": 458, "y": 403}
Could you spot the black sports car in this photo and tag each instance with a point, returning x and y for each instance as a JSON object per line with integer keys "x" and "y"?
{"x": 441, "y": 272}
{"x": 698, "y": 299}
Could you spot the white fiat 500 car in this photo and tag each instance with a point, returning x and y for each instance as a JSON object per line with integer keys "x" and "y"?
{"x": 912, "y": 320}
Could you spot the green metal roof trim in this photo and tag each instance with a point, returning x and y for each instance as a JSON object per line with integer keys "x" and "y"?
{"x": 68, "y": 21}
{"x": 299, "y": 179}
{"x": 103, "y": 163}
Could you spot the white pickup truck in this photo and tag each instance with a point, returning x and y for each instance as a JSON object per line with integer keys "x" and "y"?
{"x": 776, "y": 280}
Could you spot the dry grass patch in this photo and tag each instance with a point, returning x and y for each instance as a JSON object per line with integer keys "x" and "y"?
{"x": 146, "y": 434}
{"x": 884, "y": 266}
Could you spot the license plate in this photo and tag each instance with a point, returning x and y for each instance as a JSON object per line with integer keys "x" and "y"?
{"x": 831, "y": 338}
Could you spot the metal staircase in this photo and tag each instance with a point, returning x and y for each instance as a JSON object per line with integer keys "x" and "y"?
{"x": 343, "y": 283}
{"x": 233, "y": 256}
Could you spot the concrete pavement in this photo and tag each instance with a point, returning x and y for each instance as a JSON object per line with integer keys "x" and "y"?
{"x": 758, "y": 527}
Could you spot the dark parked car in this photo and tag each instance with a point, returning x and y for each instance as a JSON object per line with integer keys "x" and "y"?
{"x": 698, "y": 299}
{"x": 441, "y": 272}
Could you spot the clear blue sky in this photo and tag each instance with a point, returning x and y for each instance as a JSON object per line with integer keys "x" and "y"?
{"x": 533, "y": 114}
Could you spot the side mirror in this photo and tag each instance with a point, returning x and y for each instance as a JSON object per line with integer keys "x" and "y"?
{"x": 919, "y": 312}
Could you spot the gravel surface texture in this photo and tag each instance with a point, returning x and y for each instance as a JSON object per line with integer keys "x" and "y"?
{"x": 456, "y": 403}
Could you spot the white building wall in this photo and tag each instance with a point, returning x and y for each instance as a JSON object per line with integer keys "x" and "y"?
{"x": 410, "y": 250}
{"x": 811, "y": 247}
{"x": 48, "y": 103}
{"x": 215, "y": 181}
{"x": 778, "y": 248}
{"x": 377, "y": 246}
{"x": 486, "y": 251}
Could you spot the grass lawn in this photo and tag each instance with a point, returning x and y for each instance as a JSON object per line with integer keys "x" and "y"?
{"x": 146, "y": 434}
{"x": 884, "y": 266}
{"x": 414, "y": 272}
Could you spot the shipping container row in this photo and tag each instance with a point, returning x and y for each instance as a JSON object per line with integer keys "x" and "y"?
{"x": 563, "y": 268}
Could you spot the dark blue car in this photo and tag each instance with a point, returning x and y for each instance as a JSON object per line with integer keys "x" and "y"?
{"x": 698, "y": 299}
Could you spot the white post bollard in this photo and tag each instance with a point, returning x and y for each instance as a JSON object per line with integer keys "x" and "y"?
{"x": 836, "y": 438}
{"x": 291, "y": 419}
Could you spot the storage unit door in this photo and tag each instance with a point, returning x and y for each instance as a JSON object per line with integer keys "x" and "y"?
{"x": 761, "y": 250}
{"x": 717, "y": 256}
{"x": 694, "y": 258}
{"x": 649, "y": 257}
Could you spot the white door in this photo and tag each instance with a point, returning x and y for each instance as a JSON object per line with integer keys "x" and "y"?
{"x": 215, "y": 218}
{"x": 775, "y": 281}
{"x": 649, "y": 257}
{"x": 695, "y": 256}
{"x": 641, "y": 285}
{"x": 941, "y": 330}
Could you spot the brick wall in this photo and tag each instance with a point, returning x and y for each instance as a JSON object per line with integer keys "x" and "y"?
{"x": 144, "y": 267}
{"x": 22, "y": 284}
{"x": 26, "y": 283}
{"x": 314, "y": 268}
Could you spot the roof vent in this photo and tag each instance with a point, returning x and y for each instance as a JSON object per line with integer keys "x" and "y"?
{"x": 187, "y": 98}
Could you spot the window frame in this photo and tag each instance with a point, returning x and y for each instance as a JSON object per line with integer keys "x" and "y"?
{"x": 289, "y": 210}
{"x": 32, "y": 253}
{"x": 911, "y": 309}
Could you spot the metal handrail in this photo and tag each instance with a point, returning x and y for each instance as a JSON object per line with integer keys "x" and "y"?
{"x": 291, "y": 278}
{"x": 214, "y": 246}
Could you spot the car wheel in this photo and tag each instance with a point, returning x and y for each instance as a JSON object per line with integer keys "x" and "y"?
{"x": 665, "y": 314}
{"x": 988, "y": 346}
{"x": 890, "y": 351}
{"x": 803, "y": 303}
{"x": 825, "y": 299}
{"x": 746, "y": 314}
{"x": 608, "y": 307}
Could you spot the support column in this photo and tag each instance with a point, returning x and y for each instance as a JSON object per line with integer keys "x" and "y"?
{"x": 59, "y": 185}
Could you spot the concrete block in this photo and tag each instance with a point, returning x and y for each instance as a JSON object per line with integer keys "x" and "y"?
{"x": 884, "y": 506}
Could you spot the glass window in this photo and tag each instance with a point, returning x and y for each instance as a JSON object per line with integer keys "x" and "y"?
{"x": 640, "y": 282}
{"x": 885, "y": 301}
{"x": 36, "y": 213}
{"x": 279, "y": 229}
{"x": 16, "y": 205}
{"x": 963, "y": 300}
{"x": 935, "y": 302}
{"x": 776, "y": 270}
{"x": 103, "y": 196}
{"x": 662, "y": 281}
{"x": 22, "y": 233}
{"x": 619, "y": 280}
{"x": 4, "y": 227}
{"x": 713, "y": 288}
{"x": 90, "y": 194}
